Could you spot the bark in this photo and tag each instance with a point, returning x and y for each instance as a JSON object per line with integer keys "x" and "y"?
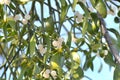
{"x": 106, "y": 35}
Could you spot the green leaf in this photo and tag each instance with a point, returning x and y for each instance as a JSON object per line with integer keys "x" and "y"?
{"x": 75, "y": 57}
{"x": 115, "y": 42}
{"x": 1, "y": 11}
{"x": 69, "y": 39}
{"x": 78, "y": 73}
{"x": 5, "y": 32}
{"x": 95, "y": 46}
{"x": 2, "y": 79}
{"x": 117, "y": 72}
{"x": 100, "y": 6}
{"x": 56, "y": 61}
{"x": 100, "y": 69}
{"x": 85, "y": 26}
{"x": 64, "y": 11}
{"x": 32, "y": 44}
{"x": 75, "y": 60}
{"x": 89, "y": 29}
{"x": 74, "y": 4}
{"x": 93, "y": 2}
{"x": 80, "y": 41}
{"x": 63, "y": 2}
{"x": 49, "y": 25}
{"x": 47, "y": 41}
{"x": 109, "y": 59}
{"x": 117, "y": 20}
{"x": 89, "y": 63}
{"x": 114, "y": 31}
{"x": 22, "y": 73}
{"x": 12, "y": 6}
{"x": 118, "y": 44}
{"x": 36, "y": 69}
{"x": 11, "y": 23}
{"x": 118, "y": 13}
{"x": 94, "y": 17}
{"x": 95, "y": 23}
{"x": 84, "y": 8}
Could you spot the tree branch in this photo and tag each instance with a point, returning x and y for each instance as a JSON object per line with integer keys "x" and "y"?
{"x": 106, "y": 35}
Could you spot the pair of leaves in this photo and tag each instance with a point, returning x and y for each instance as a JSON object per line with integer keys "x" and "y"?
{"x": 89, "y": 63}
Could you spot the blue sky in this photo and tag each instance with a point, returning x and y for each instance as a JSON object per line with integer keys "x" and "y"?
{"x": 105, "y": 74}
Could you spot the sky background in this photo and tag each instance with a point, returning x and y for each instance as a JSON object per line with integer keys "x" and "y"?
{"x": 106, "y": 73}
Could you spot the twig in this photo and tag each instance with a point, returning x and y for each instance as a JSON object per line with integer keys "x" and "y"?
{"x": 114, "y": 4}
{"x": 9, "y": 63}
{"x": 87, "y": 77}
{"x": 106, "y": 35}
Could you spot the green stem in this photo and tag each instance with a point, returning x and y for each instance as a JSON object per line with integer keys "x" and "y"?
{"x": 42, "y": 19}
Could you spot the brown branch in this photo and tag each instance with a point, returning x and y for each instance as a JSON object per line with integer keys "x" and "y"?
{"x": 106, "y": 35}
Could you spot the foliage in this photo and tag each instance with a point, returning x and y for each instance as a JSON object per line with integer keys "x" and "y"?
{"x": 42, "y": 40}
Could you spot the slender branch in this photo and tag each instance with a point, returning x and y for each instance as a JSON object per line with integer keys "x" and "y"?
{"x": 106, "y": 35}
{"x": 9, "y": 63}
{"x": 87, "y": 77}
{"x": 114, "y": 3}
{"x": 42, "y": 20}
{"x": 58, "y": 8}
{"x": 52, "y": 8}
{"x": 49, "y": 5}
